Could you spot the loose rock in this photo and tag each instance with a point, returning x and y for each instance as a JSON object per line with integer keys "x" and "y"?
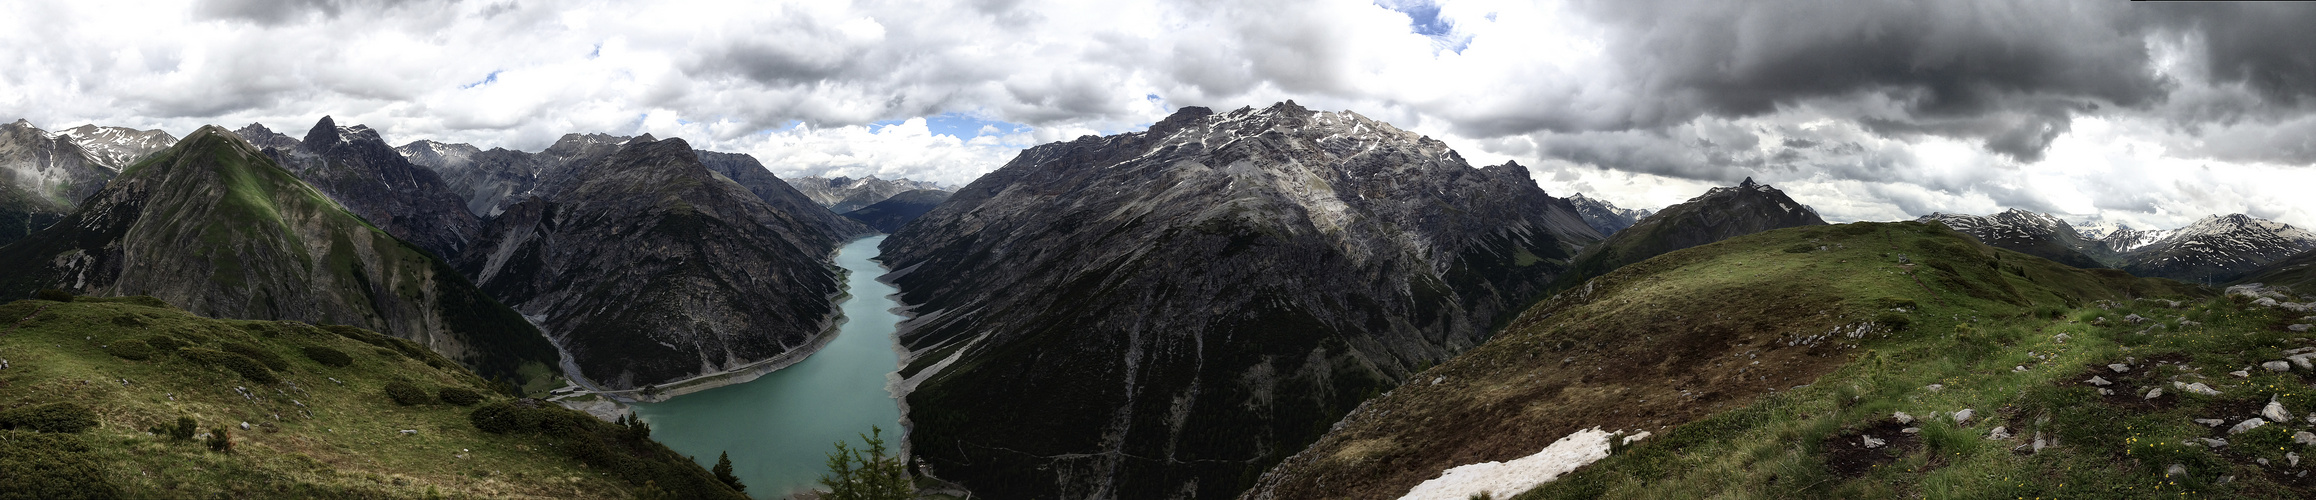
{"x": 2275, "y": 412}
{"x": 1999, "y": 433}
{"x": 2298, "y": 328}
{"x": 2153, "y": 393}
{"x": 2134, "y": 319}
{"x": 2095, "y": 380}
{"x": 2304, "y": 437}
{"x": 2119, "y": 367}
{"x": 2210, "y": 422}
{"x": 2175, "y": 470}
{"x": 2241, "y": 374}
{"x": 1902, "y": 418}
{"x": 2246, "y": 425}
{"x": 2197, "y": 388}
{"x": 1872, "y": 443}
{"x": 1962, "y": 416}
{"x": 2277, "y": 366}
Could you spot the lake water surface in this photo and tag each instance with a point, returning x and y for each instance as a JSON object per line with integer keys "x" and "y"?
{"x": 780, "y": 428}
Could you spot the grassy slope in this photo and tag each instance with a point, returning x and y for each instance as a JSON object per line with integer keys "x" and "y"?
{"x": 2297, "y": 273}
{"x": 1706, "y": 348}
{"x": 349, "y": 446}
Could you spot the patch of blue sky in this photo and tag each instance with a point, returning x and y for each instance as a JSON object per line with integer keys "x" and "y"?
{"x": 1423, "y": 19}
{"x": 963, "y": 126}
{"x": 487, "y": 80}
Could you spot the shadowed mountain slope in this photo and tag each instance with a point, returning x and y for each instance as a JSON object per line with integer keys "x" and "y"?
{"x": 1163, "y": 314}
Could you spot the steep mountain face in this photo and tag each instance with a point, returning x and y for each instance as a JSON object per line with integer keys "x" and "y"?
{"x": 889, "y": 215}
{"x": 493, "y": 180}
{"x": 45, "y": 175}
{"x": 2040, "y": 235}
{"x": 749, "y": 173}
{"x": 1605, "y": 217}
{"x": 216, "y": 227}
{"x": 1721, "y": 213}
{"x": 1749, "y": 364}
{"x": 119, "y": 146}
{"x": 845, "y": 194}
{"x": 355, "y": 167}
{"x": 2219, "y": 249}
{"x": 647, "y": 267}
{"x": 1064, "y": 346}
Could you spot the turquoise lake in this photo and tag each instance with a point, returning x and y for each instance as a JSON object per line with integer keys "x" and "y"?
{"x": 780, "y": 427}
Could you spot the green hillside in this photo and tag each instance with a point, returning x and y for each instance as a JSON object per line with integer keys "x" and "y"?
{"x": 322, "y": 410}
{"x": 2297, "y": 273}
{"x": 1759, "y": 364}
{"x": 217, "y": 228}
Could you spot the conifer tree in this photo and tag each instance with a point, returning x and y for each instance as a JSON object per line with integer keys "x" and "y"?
{"x": 866, "y": 473}
{"x": 723, "y": 471}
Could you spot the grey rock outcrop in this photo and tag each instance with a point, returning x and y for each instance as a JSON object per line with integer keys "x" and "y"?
{"x": 1208, "y": 295}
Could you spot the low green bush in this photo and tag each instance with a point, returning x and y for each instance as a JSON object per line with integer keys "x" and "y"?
{"x": 219, "y": 441}
{"x": 46, "y": 466}
{"x": 64, "y": 417}
{"x": 328, "y": 356}
{"x": 248, "y": 368}
{"x": 270, "y": 359}
{"x": 164, "y": 343}
{"x": 180, "y": 431}
{"x": 52, "y": 294}
{"x": 459, "y": 396}
{"x": 131, "y": 349}
{"x": 507, "y": 417}
{"x": 407, "y": 394}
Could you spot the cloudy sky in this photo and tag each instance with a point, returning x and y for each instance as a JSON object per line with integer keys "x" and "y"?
{"x": 2147, "y": 114}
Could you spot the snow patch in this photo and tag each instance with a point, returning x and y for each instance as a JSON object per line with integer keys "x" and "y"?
{"x": 1505, "y": 479}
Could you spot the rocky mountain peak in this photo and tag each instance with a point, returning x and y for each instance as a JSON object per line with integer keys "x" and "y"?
{"x": 1748, "y": 183}
{"x": 20, "y": 122}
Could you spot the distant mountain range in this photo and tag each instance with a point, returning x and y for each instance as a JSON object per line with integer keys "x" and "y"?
{"x": 1604, "y": 216}
{"x": 2216, "y": 249}
{"x": 48, "y": 173}
{"x": 845, "y": 194}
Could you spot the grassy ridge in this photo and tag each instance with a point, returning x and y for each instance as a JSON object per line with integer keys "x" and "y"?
{"x": 321, "y": 430}
{"x": 1753, "y": 338}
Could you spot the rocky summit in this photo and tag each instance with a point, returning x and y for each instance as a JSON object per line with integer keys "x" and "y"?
{"x": 647, "y": 267}
{"x": 1164, "y": 314}
{"x": 216, "y": 227}
{"x": 354, "y": 166}
{"x": 492, "y": 180}
{"x": 1721, "y": 213}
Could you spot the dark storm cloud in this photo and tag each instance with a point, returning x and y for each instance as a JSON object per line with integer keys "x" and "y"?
{"x": 2010, "y": 74}
{"x": 278, "y": 12}
{"x": 2270, "y": 47}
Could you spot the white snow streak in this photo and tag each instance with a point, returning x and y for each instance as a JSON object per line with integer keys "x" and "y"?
{"x": 1505, "y": 479}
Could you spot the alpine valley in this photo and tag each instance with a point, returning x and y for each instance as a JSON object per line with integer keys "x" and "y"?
{"x": 1265, "y": 303}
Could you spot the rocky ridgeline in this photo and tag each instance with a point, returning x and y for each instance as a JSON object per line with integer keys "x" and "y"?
{"x": 354, "y": 167}
{"x": 846, "y": 194}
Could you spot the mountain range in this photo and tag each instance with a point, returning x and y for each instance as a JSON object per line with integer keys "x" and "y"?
{"x": 1605, "y": 217}
{"x": 215, "y": 226}
{"x": 2215, "y": 249}
{"x": 846, "y": 194}
{"x": 48, "y": 173}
